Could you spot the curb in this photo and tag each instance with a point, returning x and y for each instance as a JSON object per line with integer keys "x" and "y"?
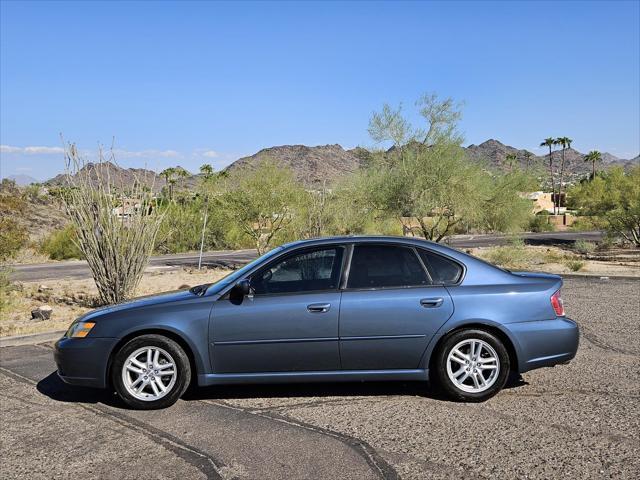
{"x": 598, "y": 277}
{"x": 31, "y": 339}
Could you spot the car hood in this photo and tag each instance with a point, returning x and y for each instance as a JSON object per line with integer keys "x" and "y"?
{"x": 139, "y": 302}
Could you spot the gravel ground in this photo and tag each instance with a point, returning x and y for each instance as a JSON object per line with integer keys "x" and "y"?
{"x": 579, "y": 420}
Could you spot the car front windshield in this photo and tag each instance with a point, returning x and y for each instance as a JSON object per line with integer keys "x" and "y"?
{"x": 234, "y": 276}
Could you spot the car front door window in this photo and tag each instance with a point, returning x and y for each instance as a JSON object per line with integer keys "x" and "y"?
{"x": 308, "y": 271}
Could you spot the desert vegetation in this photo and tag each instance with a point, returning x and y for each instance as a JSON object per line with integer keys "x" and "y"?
{"x": 424, "y": 185}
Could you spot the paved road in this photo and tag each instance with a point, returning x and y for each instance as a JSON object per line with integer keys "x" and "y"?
{"x": 575, "y": 421}
{"x": 79, "y": 269}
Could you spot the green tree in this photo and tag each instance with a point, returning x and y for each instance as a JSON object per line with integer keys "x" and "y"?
{"x": 504, "y": 207}
{"x": 207, "y": 172}
{"x": 511, "y": 160}
{"x": 550, "y": 142}
{"x": 527, "y": 156}
{"x": 565, "y": 143}
{"x": 435, "y": 186}
{"x": 262, "y": 202}
{"x": 169, "y": 177}
{"x": 594, "y": 156}
{"x": 613, "y": 198}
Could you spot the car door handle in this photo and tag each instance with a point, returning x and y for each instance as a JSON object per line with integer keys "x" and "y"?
{"x": 319, "y": 307}
{"x": 431, "y": 302}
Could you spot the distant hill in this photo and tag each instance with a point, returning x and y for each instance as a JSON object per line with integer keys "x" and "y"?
{"x": 494, "y": 153}
{"x": 310, "y": 165}
{"x": 22, "y": 180}
{"x": 326, "y": 163}
{"x": 118, "y": 175}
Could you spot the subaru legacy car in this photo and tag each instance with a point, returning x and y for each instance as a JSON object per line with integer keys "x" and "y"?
{"x": 328, "y": 310}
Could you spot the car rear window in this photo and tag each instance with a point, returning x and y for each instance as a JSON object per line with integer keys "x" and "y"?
{"x": 442, "y": 270}
{"x": 379, "y": 266}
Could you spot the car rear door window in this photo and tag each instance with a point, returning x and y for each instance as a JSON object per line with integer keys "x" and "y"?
{"x": 384, "y": 266}
{"x": 303, "y": 272}
{"x": 442, "y": 270}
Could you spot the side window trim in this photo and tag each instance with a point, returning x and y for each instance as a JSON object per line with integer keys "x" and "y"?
{"x": 346, "y": 266}
{"x": 301, "y": 251}
{"x": 424, "y": 267}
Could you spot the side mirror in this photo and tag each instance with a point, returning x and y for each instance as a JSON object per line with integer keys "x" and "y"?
{"x": 239, "y": 290}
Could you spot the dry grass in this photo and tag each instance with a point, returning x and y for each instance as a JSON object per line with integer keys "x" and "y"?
{"x": 552, "y": 260}
{"x": 72, "y": 298}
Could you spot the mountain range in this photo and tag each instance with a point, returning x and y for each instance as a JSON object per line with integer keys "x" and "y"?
{"x": 322, "y": 164}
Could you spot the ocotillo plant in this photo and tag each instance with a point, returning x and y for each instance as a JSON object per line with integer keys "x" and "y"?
{"x": 116, "y": 223}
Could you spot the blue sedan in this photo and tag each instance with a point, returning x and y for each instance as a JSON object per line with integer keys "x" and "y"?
{"x": 331, "y": 309}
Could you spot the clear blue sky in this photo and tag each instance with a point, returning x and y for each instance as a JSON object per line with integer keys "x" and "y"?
{"x": 188, "y": 83}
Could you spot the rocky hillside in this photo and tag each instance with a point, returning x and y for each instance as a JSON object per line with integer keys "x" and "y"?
{"x": 327, "y": 163}
{"x": 126, "y": 177}
{"x": 494, "y": 153}
{"x": 311, "y": 165}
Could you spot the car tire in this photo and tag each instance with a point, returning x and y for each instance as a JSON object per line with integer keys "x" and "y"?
{"x": 480, "y": 378}
{"x": 150, "y": 372}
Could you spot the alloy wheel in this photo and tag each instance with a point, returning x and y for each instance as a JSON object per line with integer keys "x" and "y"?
{"x": 473, "y": 365}
{"x": 149, "y": 373}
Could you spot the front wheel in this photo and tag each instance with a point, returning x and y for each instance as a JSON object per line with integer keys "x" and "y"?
{"x": 150, "y": 371}
{"x": 472, "y": 365}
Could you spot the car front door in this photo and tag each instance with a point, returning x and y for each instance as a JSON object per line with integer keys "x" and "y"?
{"x": 289, "y": 322}
{"x": 390, "y": 309}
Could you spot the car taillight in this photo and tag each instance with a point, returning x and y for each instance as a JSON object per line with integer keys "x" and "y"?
{"x": 556, "y": 303}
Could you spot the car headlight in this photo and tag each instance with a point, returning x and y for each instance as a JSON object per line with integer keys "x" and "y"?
{"x": 79, "y": 329}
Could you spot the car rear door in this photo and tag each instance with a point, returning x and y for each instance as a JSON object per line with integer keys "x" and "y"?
{"x": 390, "y": 308}
{"x": 288, "y": 323}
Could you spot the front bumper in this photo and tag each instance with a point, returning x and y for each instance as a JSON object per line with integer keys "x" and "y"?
{"x": 544, "y": 343}
{"x": 83, "y": 361}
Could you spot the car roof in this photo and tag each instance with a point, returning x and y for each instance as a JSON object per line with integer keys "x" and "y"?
{"x": 363, "y": 239}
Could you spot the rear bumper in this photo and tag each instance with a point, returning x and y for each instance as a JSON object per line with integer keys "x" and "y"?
{"x": 544, "y": 343}
{"x": 83, "y": 361}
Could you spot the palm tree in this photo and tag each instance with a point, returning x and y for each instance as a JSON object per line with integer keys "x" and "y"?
{"x": 207, "y": 171}
{"x": 565, "y": 143}
{"x": 550, "y": 142}
{"x": 168, "y": 174}
{"x": 593, "y": 156}
{"x": 527, "y": 157}
{"x": 181, "y": 173}
{"x": 511, "y": 159}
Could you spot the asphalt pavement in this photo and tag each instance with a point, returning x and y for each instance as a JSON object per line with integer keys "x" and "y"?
{"x": 234, "y": 258}
{"x": 573, "y": 421}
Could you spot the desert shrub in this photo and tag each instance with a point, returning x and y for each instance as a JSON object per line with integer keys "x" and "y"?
{"x": 5, "y": 286}
{"x": 553, "y": 256}
{"x": 613, "y": 199}
{"x": 540, "y": 223}
{"x": 116, "y": 246}
{"x": 584, "y": 247}
{"x": 181, "y": 230}
{"x": 61, "y": 244}
{"x": 574, "y": 265}
{"x": 514, "y": 255}
{"x": 585, "y": 224}
{"x": 13, "y": 237}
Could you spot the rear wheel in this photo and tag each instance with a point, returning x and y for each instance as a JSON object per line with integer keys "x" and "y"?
{"x": 472, "y": 365}
{"x": 150, "y": 371}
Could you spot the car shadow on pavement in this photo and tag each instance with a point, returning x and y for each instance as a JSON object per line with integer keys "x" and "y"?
{"x": 56, "y": 389}
{"x": 347, "y": 389}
